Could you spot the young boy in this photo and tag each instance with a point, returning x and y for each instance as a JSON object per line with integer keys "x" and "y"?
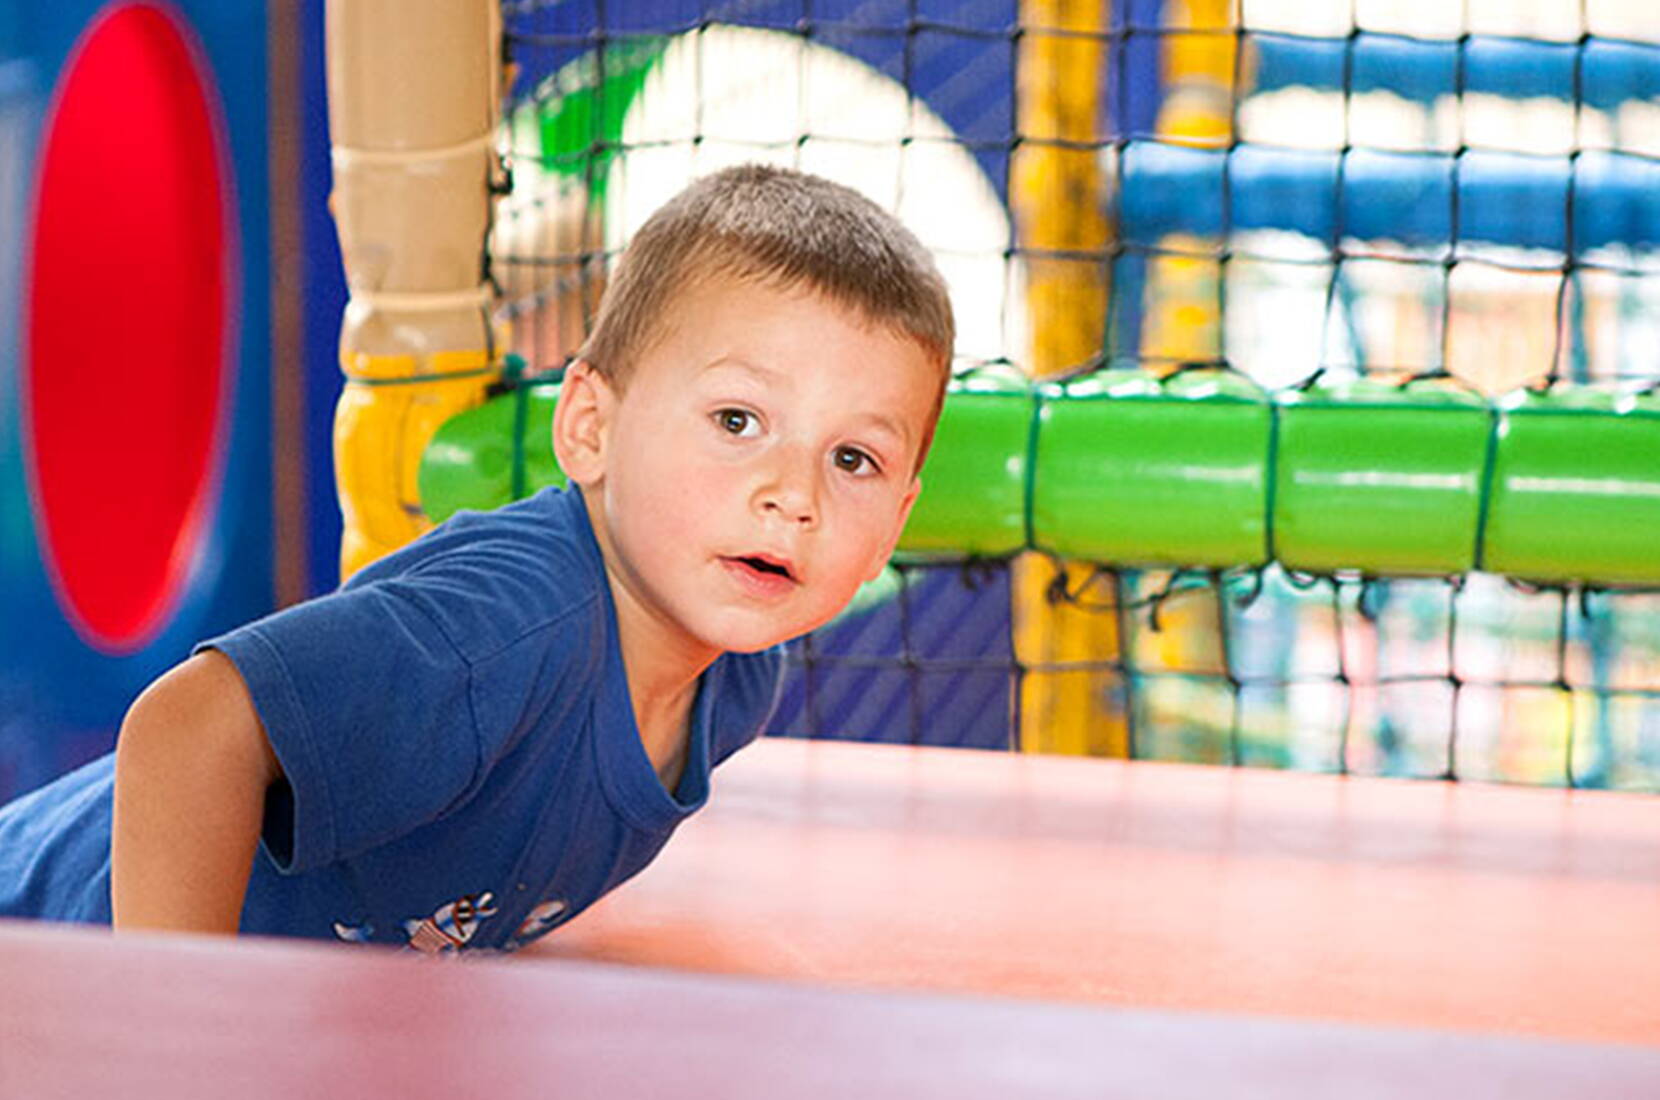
{"x": 479, "y": 735}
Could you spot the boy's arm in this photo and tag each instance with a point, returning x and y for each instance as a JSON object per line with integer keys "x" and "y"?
{"x": 191, "y": 772}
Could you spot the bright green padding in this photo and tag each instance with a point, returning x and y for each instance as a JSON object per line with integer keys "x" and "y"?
{"x": 1380, "y": 478}
{"x": 974, "y": 485}
{"x": 1576, "y": 488}
{"x": 1133, "y": 470}
{"x": 580, "y": 115}
{"x": 975, "y": 479}
{"x": 469, "y": 463}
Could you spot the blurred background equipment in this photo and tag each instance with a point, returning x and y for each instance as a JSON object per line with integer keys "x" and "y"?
{"x": 1305, "y": 410}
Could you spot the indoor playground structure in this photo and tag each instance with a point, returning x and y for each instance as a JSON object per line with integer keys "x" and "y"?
{"x": 1325, "y": 433}
{"x": 1305, "y": 420}
{"x": 1305, "y": 411}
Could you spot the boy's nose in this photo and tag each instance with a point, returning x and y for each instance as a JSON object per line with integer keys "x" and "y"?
{"x": 792, "y": 508}
{"x": 791, "y": 493}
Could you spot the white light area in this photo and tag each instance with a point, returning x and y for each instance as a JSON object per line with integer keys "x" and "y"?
{"x": 1501, "y": 325}
{"x": 1384, "y": 120}
{"x": 1585, "y": 486}
{"x": 1540, "y": 125}
{"x": 1549, "y": 20}
{"x": 1622, "y": 324}
{"x": 1308, "y": 118}
{"x": 1297, "y": 118}
{"x": 753, "y": 95}
{"x": 1500, "y": 279}
{"x": 1530, "y": 264}
{"x": 1440, "y": 19}
{"x": 1635, "y": 128}
{"x": 1213, "y": 475}
{"x": 1273, "y": 326}
{"x": 1639, "y": 263}
{"x": 1297, "y": 17}
{"x": 540, "y": 219}
{"x": 1638, "y": 20}
{"x": 1418, "y": 18}
{"x": 1384, "y": 479}
{"x": 1396, "y": 310}
{"x": 1279, "y": 244}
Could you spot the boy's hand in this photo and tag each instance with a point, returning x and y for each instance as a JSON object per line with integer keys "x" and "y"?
{"x": 191, "y": 771}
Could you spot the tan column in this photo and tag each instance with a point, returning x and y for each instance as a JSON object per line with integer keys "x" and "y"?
{"x": 414, "y": 92}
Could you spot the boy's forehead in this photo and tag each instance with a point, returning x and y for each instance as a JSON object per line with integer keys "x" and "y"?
{"x": 753, "y": 327}
{"x": 725, "y": 289}
{"x": 725, "y": 314}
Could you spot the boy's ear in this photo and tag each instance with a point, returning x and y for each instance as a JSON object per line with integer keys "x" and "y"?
{"x": 881, "y": 559}
{"x": 582, "y": 423}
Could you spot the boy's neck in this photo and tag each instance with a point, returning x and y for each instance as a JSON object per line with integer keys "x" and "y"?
{"x": 662, "y": 665}
{"x": 661, "y": 660}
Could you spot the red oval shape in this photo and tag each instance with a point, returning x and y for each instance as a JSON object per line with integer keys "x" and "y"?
{"x": 127, "y": 294}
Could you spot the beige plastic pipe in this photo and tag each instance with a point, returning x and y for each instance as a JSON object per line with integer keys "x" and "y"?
{"x": 414, "y": 91}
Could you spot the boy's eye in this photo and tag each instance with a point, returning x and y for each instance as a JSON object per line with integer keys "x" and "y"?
{"x": 854, "y": 461}
{"x": 739, "y": 422}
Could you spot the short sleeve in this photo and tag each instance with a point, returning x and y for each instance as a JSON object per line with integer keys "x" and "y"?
{"x": 388, "y": 702}
{"x": 366, "y": 705}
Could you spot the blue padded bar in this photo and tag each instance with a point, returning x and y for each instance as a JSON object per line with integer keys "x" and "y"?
{"x": 1612, "y": 71}
{"x": 1503, "y": 198}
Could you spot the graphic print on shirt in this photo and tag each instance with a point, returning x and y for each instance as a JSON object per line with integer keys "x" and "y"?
{"x": 447, "y": 930}
{"x": 541, "y": 920}
{"x": 354, "y": 933}
{"x": 452, "y": 925}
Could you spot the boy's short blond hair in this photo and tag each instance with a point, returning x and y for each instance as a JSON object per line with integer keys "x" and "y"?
{"x": 785, "y": 229}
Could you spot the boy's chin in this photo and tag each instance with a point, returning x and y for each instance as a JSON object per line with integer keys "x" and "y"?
{"x": 753, "y": 644}
{"x": 754, "y": 648}
{"x": 756, "y": 641}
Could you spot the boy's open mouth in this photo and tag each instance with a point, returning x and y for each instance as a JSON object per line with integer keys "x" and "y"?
{"x": 766, "y": 565}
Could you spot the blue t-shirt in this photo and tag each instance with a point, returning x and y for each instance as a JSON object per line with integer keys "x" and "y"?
{"x": 462, "y": 764}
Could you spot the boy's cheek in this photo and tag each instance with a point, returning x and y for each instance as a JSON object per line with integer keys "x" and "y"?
{"x": 897, "y": 530}
{"x": 883, "y": 553}
{"x": 680, "y": 510}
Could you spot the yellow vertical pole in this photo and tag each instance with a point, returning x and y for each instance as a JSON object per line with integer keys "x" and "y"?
{"x": 1183, "y": 319}
{"x": 414, "y": 93}
{"x": 1198, "y": 67}
{"x": 1057, "y": 193}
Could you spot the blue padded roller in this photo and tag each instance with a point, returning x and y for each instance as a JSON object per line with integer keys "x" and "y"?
{"x": 1503, "y": 198}
{"x": 1611, "y": 71}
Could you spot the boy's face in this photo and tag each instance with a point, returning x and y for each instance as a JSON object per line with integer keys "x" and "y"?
{"x": 757, "y": 467}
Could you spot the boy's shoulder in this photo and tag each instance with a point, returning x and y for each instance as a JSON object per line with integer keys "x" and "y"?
{"x": 490, "y": 578}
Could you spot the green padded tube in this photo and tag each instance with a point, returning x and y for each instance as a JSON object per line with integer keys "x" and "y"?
{"x": 469, "y": 463}
{"x": 1576, "y": 488}
{"x": 1380, "y": 478}
{"x": 1133, "y": 470}
{"x": 974, "y": 485}
{"x": 1552, "y": 486}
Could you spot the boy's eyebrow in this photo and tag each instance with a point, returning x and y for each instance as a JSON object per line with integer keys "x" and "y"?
{"x": 889, "y": 425}
{"x": 880, "y": 420}
{"x": 765, "y": 373}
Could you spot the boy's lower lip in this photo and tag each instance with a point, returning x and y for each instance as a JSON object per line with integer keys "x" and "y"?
{"x": 758, "y": 582}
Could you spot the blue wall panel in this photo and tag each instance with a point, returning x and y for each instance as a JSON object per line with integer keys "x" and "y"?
{"x": 61, "y": 698}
